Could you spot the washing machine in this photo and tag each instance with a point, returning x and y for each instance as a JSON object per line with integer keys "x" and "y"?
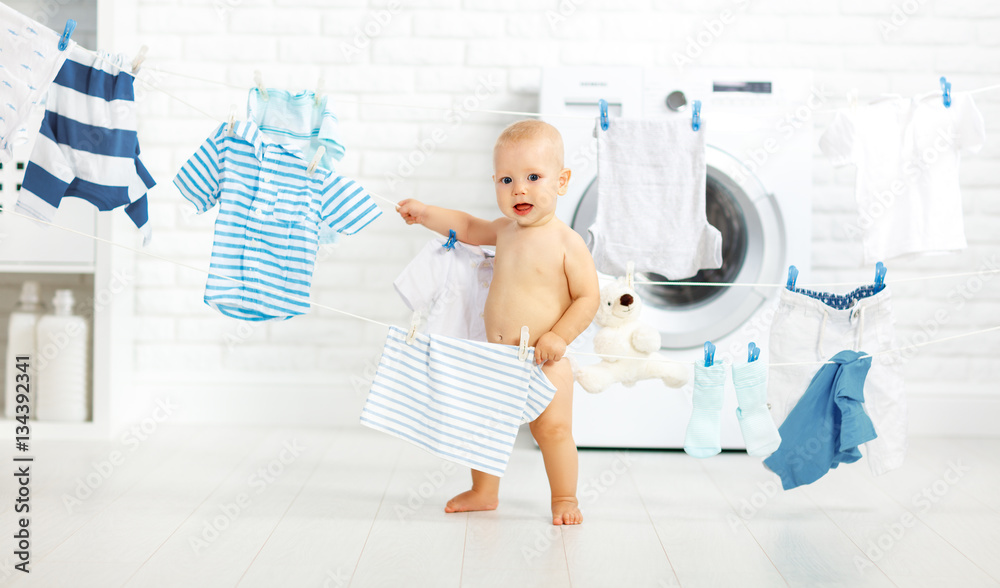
{"x": 758, "y": 194}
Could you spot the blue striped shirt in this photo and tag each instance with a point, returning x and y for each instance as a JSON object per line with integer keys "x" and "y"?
{"x": 460, "y": 400}
{"x": 270, "y": 211}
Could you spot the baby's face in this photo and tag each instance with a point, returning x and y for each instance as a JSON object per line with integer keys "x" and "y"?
{"x": 528, "y": 179}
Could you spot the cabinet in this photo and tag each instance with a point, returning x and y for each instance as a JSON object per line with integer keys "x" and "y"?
{"x": 98, "y": 275}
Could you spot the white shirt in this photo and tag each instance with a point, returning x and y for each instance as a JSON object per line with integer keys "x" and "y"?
{"x": 449, "y": 286}
{"x": 907, "y": 156}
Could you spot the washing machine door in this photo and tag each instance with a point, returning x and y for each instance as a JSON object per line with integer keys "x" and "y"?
{"x": 753, "y": 252}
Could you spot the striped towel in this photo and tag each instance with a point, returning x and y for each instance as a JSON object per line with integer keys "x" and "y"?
{"x": 461, "y": 400}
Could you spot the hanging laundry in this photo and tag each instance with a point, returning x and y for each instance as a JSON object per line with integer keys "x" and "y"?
{"x": 703, "y": 437}
{"x": 29, "y": 60}
{"x": 270, "y": 211}
{"x": 88, "y": 145}
{"x": 303, "y": 121}
{"x": 449, "y": 287}
{"x": 827, "y": 424}
{"x": 651, "y": 200}
{"x": 759, "y": 432}
{"x": 907, "y": 154}
{"x": 460, "y": 400}
{"x": 808, "y": 325}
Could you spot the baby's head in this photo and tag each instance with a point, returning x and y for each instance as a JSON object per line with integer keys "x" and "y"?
{"x": 528, "y": 172}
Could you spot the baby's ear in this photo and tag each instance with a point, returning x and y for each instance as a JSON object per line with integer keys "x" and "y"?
{"x": 564, "y": 175}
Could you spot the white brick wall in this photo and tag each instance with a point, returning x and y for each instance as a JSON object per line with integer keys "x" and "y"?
{"x": 435, "y": 53}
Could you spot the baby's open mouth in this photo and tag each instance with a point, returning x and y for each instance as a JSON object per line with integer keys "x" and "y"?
{"x": 523, "y": 208}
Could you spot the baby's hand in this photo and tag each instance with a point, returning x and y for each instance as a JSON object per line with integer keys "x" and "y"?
{"x": 411, "y": 210}
{"x": 549, "y": 347}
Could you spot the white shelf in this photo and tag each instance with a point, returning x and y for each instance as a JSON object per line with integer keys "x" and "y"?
{"x": 47, "y": 268}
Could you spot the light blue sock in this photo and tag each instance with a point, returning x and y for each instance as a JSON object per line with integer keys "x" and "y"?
{"x": 704, "y": 430}
{"x": 759, "y": 431}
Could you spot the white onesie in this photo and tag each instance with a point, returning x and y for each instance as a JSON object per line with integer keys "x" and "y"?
{"x": 449, "y": 286}
{"x": 29, "y": 60}
{"x": 907, "y": 155}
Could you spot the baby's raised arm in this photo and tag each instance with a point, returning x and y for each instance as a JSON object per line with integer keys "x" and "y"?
{"x": 468, "y": 229}
{"x": 586, "y": 297}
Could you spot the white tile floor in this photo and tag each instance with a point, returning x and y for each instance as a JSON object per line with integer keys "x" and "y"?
{"x": 219, "y": 507}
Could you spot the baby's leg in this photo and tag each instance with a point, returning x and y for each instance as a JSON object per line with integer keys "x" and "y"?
{"x": 553, "y": 430}
{"x": 483, "y": 496}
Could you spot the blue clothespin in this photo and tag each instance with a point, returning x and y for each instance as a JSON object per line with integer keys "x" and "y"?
{"x": 452, "y": 239}
{"x": 64, "y": 40}
{"x": 946, "y": 92}
{"x": 793, "y": 274}
{"x": 709, "y": 354}
{"x": 880, "y": 272}
{"x": 696, "y": 116}
{"x": 753, "y": 352}
{"x": 605, "y": 119}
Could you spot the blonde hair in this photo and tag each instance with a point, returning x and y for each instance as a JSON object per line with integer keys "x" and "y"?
{"x": 530, "y": 129}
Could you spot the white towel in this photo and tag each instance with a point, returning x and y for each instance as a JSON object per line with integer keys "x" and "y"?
{"x": 651, "y": 199}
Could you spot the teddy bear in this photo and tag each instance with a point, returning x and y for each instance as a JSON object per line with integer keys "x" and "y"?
{"x": 623, "y": 334}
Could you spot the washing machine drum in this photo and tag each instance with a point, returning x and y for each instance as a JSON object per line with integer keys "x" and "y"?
{"x": 753, "y": 252}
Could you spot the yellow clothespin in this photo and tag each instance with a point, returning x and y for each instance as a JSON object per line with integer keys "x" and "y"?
{"x": 258, "y": 79}
{"x": 316, "y": 159}
{"x": 630, "y": 275}
{"x": 522, "y": 350}
{"x": 232, "y": 120}
{"x": 415, "y": 321}
{"x": 139, "y": 58}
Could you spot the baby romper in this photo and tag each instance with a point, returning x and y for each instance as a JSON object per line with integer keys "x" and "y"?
{"x": 88, "y": 145}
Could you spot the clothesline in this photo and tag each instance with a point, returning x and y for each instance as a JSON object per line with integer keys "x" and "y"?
{"x": 488, "y": 111}
{"x": 387, "y": 325}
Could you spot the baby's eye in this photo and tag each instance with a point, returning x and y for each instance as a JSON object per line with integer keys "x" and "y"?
{"x": 506, "y": 180}
{"x": 533, "y": 177}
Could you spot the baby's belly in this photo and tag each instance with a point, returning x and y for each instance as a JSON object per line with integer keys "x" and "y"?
{"x": 507, "y": 312}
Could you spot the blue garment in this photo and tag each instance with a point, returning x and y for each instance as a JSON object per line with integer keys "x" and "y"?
{"x": 827, "y": 424}
{"x": 304, "y": 122}
{"x": 460, "y": 400}
{"x": 270, "y": 211}
{"x": 299, "y": 120}
{"x": 88, "y": 145}
{"x": 842, "y": 301}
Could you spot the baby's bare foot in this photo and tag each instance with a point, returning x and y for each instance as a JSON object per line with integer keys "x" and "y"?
{"x": 566, "y": 511}
{"x": 471, "y": 500}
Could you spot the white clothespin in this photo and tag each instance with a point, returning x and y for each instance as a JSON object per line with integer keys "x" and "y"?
{"x": 232, "y": 120}
{"x": 319, "y": 90}
{"x": 630, "y": 275}
{"x": 139, "y": 58}
{"x": 258, "y": 79}
{"x": 415, "y": 321}
{"x": 522, "y": 350}
{"x": 852, "y": 99}
{"x": 320, "y": 151}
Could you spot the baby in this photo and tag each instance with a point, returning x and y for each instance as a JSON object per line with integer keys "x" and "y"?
{"x": 543, "y": 277}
